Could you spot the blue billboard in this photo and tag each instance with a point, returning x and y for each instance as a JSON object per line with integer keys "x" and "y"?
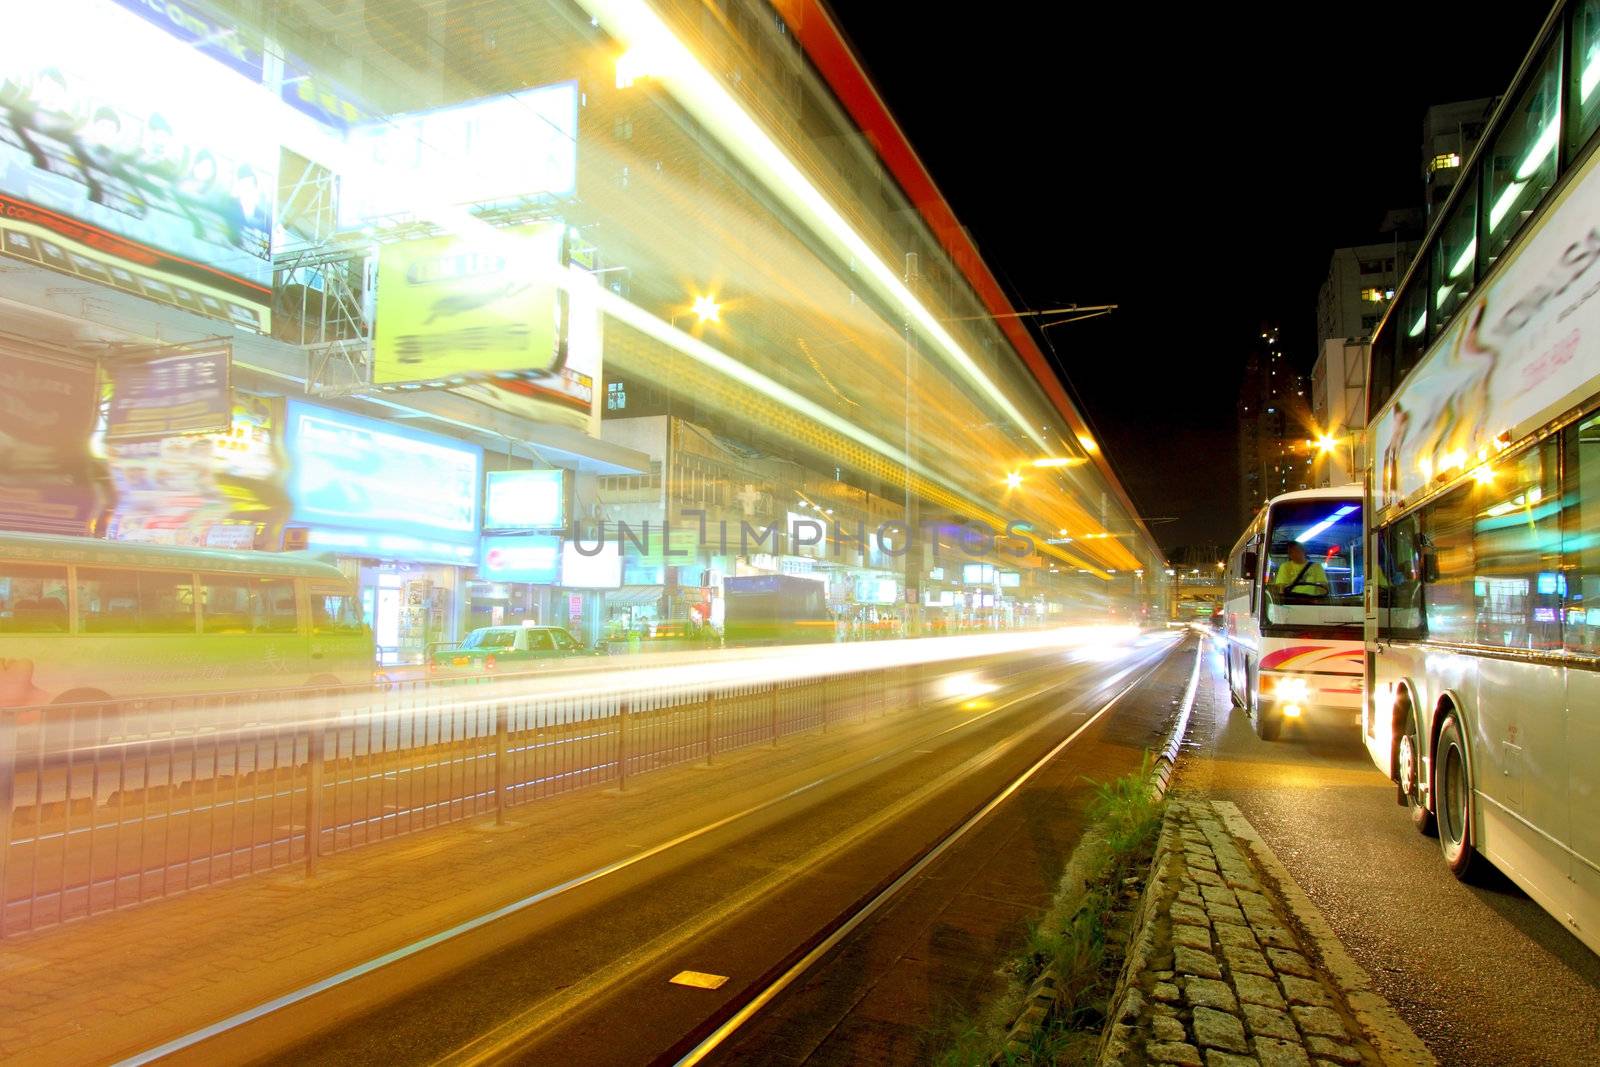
{"x": 533, "y": 558}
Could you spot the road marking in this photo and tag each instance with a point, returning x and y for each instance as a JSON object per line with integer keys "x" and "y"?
{"x": 699, "y": 979}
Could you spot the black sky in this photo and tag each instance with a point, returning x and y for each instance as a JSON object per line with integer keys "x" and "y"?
{"x": 1196, "y": 166}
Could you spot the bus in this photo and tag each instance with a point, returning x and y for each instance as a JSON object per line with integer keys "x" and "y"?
{"x": 1292, "y": 613}
{"x": 1482, "y": 621}
{"x": 84, "y": 620}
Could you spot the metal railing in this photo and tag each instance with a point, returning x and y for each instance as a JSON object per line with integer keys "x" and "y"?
{"x": 107, "y": 805}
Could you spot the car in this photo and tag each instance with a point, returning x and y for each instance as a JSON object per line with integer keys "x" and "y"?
{"x": 505, "y": 648}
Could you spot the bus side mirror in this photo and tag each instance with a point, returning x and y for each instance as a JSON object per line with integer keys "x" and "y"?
{"x": 1250, "y": 562}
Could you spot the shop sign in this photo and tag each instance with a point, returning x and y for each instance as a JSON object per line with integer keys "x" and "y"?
{"x": 175, "y": 394}
{"x": 532, "y": 558}
{"x": 359, "y": 473}
{"x": 600, "y": 571}
{"x": 524, "y": 500}
{"x": 159, "y": 185}
{"x": 46, "y": 416}
{"x": 450, "y": 306}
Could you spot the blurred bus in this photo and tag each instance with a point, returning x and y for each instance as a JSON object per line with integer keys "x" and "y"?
{"x": 772, "y": 609}
{"x": 1483, "y": 627}
{"x": 1292, "y": 613}
{"x": 86, "y": 620}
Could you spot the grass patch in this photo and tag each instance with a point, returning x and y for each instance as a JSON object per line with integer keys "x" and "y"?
{"x": 1070, "y": 939}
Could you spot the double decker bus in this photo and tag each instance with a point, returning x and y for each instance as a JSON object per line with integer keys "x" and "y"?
{"x": 1482, "y": 621}
{"x": 1292, "y": 612}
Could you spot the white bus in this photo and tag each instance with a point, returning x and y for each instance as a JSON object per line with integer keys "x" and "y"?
{"x": 1483, "y": 619}
{"x": 1292, "y": 614}
{"x": 84, "y": 620}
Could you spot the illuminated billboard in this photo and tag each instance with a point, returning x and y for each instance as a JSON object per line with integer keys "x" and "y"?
{"x": 129, "y": 158}
{"x": 524, "y": 500}
{"x": 502, "y": 149}
{"x": 365, "y": 474}
{"x": 450, "y": 306}
{"x": 602, "y": 571}
{"x": 532, "y": 558}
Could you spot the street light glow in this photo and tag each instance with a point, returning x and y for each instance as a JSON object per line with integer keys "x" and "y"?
{"x": 1013, "y": 480}
{"x": 706, "y": 309}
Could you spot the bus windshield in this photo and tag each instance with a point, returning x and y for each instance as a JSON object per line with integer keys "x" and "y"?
{"x": 1313, "y": 575}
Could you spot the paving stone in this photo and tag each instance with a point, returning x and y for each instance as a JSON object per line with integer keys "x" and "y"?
{"x": 1204, "y": 877}
{"x": 1217, "y": 894}
{"x": 1167, "y": 1028}
{"x": 1234, "y": 934}
{"x": 1222, "y": 913}
{"x": 1179, "y": 1052}
{"x": 1218, "y": 1029}
{"x": 1208, "y": 993}
{"x": 1271, "y": 933}
{"x": 1247, "y": 898}
{"x": 1193, "y": 961}
{"x": 1285, "y": 961}
{"x": 1161, "y": 976}
{"x": 1197, "y": 861}
{"x": 1273, "y": 1052}
{"x": 1191, "y": 936}
{"x": 1329, "y": 1049}
{"x": 1163, "y": 1009}
{"x": 1243, "y": 960}
{"x": 1165, "y": 991}
{"x": 1216, "y": 1058}
{"x": 1240, "y": 880}
{"x": 1191, "y": 898}
{"x": 1305, "y": 991}
{"x": 1318, "y": 1020}
{"x": 1254, "y": 989}
{"x": 1265, "y": 1022}
{"x": 1188, "y": 913}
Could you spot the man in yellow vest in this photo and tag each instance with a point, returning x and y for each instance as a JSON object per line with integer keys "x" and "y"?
{"x": 1299, "y": 576}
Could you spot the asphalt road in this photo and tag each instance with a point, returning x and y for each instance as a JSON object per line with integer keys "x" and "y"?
{"x": 1480, "y": 972}
{"x": 588, "y": 980}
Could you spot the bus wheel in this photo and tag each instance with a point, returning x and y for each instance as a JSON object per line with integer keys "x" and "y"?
{"x": 1409, "y": 765}
{"x": 1268, "y": 723}
{"x": 1452, "y": 801}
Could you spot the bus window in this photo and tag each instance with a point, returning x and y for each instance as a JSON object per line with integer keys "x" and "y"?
{"x": 1517, "y": 579}
{"x": 237, "y": 604}
{"x": 1581, "y": 537}
{"x": 1521, "y": 167}
{"x": 1448, "y": 567}
{"x": 1313, "y": 562}
{"x": 112, "y": 601}
{"x": 334, "y": 610}
{"x": 33, "y": 599}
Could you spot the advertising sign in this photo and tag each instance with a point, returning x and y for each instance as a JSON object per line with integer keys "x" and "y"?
{"x": 365, "y": 474}
{"x": 452, "y": 305}
{"x": 130, "y": 158}
{"x": 46, "y": 417}
{"x": 524, "y": 500}
{"x": 212, "y": 490}
{"x": 177, "y": 394}
{"x": 978, "y": 573}
{"x": 603, "y": 571}
{"x": 533, "y": 558}
{"x": 1529, "y": 341}
{"x": 502, "y": 149}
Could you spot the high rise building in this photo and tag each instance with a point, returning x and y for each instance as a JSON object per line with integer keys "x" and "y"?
{"x": 1449, "y": 134}
{"x": 1274, "y": 417}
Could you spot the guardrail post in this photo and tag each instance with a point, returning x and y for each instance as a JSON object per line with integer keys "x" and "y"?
{"x": 622, "y": 744}
{"x": 8, "y": 796}
{"x": 825, "y": 704}
{"x": 500, "y": 765}
{"x": 314, "y": 767}
{"x": 709, "y": 705}
{"x": 774, "y": 714}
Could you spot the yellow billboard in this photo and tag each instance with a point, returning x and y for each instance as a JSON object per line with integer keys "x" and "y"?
{"x": 451, "y": 306}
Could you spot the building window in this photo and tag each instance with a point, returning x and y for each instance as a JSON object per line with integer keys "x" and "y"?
{"x": 1444, "y": 161}
{"x": 616, "y": 396}
{"x": 1374, "y": 295}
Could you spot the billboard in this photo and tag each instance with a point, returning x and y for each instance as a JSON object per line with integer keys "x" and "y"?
{"x": 454, "y": 305}
{"x": 533, "y": 558}
{"x": 1525, "y": 346}
{"x": 500, "y": 150}
{"x": 132, "y": 159}
{"x": 602, "y": 571}
{"x": 358, "y": 473}
{"x": 524, "y": 500}
{"x": 46, "y": 416}
{"x": 175, "y": 394}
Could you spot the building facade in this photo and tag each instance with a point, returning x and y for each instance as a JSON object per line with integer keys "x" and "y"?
{"x": 1274, "y": 418}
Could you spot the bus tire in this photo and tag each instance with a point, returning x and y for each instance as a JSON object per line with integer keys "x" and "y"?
{"x": 1408, "y": 764}
{"x": 1268, "y": 724}
{"x": 1452, "y": 799}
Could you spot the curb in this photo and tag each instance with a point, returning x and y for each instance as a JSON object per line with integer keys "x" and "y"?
{"x": 1044, "y": 994}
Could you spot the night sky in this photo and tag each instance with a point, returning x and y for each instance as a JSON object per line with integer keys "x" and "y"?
{"x": 1194, "y": 167}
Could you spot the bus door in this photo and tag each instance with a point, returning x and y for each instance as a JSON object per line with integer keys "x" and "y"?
{"x": 341, "y": 646}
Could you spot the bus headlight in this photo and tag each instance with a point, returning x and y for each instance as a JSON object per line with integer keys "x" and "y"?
{"x": 1291, "y": 691}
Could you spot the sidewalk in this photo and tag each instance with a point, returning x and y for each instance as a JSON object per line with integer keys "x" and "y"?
{"x": 1231, "y": 964}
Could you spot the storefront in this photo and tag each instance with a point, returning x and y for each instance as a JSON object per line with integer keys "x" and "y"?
{"x": 398, "y": 507}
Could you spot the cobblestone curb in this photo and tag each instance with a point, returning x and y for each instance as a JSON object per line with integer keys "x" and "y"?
{"x": 1220, "y": 974}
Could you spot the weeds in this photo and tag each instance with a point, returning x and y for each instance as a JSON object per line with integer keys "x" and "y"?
{"x": 1070, "y": 939}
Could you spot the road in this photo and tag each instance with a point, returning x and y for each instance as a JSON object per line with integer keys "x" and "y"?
{"x": 588, "y": 978}
{"x": 1480, "y": 972}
